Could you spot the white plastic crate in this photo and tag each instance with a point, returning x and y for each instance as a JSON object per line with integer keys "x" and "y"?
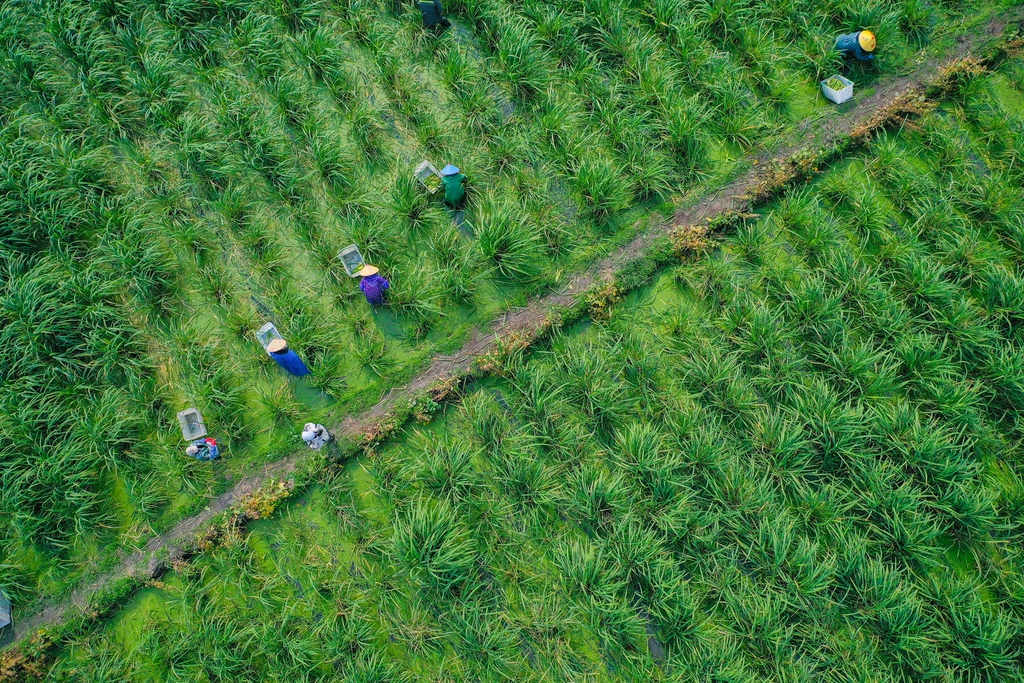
{"x": 352, "y": 260}
{"x": 267, "y": 334}
{"x": 191, "y": 423}
{"x": 841, "y": 95}
{"x": 429, "y": 177}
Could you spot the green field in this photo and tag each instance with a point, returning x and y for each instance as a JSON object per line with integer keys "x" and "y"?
{"x": 177, "y": 173}
{"x": 797, "y": 458}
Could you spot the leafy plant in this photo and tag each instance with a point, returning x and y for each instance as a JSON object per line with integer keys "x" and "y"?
{"x": 508, "y": 240}
{"x": 432, "y": 544}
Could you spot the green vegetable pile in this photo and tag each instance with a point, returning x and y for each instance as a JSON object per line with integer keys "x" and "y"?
{"x": 433, "y": 183}
{"x": 835, "y": 84}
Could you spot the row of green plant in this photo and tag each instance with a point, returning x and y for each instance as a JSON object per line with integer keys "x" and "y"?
{"x": 797, "y": 458}
{"x": 176, "y": 173}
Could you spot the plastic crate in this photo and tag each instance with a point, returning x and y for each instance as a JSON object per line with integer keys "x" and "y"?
{"x": 192, "y": 425}
{"x": 352, "y": 260}
{"x": 6, "y": 621}
{"x": 267, "y": 334}
{"x": 429, "y": 177}
{"x": 838, "y": 96}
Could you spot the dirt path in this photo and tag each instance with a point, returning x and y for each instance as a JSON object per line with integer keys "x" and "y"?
{"x": 529, "y": 322}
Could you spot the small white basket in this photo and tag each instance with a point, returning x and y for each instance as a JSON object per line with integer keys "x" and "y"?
{"x": 267, "y": 334}
{"x": 191, "y": 423}
{"x": 841, "y": 95}
{"x": 428, "y": 176}
{"x": 352, "y": 260}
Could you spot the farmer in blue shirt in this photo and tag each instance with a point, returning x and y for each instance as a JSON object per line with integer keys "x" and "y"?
{"x": 433, "y": 14}
{"x": 373, "y": 285}
{"x": 860, "y": 45}
{"x": 286, "y": 358}
{"x": 203, "y": 449}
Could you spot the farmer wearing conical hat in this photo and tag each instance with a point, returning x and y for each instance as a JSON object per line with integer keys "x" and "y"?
{"x": 373, "y": 285}
{"x": 315, "y": 435}
{"x": 860, "y": 44}
{"x": 286, "y": 358}
{"x": 454, "y": 185}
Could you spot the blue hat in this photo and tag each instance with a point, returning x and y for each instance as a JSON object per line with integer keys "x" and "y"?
{"x": 449, "y": 170}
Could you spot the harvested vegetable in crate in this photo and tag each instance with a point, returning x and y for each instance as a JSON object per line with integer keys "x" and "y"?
{"x": 433, "y": 183}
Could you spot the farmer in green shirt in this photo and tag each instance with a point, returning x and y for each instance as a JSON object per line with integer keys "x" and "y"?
{"x": 454, "y": 185}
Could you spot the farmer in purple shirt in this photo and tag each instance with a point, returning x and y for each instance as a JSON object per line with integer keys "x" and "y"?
{"x": 373, "y": 285}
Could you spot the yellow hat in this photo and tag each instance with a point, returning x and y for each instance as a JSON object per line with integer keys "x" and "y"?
{"x": 368, "y": 270}
{"x": 867, "y": 41}
{"x": 277, "y": 346}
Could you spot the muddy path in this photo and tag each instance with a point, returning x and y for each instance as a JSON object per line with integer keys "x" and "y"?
{"x": 533, "y": 320}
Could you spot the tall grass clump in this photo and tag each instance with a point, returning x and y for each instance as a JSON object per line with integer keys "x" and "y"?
{"x": 435, "y": 547}
{"x": 459, "y": 267}
{"x": 604, "y": 187}
{"x": 416, "y": 298}
{"x": 508, "y": 239}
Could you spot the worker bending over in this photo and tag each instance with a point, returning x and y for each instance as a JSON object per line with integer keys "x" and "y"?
{"x": 315, "y": 435}
{"x": 373, "y": 285}
{"x": 860, "y": 45}
{"x": 203, "y": 449}
{"x": 286, "y": 358}
{"x": 433, "y": 14}
{"x": 454, "y": 185}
